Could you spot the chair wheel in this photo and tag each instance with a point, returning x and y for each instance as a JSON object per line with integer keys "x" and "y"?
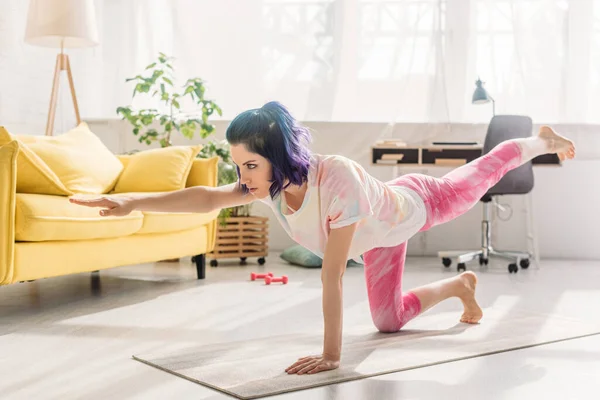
{"x": 214, "y": 263}
{"x": 483, "y": 261}
{"x": 261, "y": 260}
{"x": 446, "y": 261}
{"x": 461, "y": 267}
{"x": 513, "y": 268}
{"x": 524, "y": 263}
{"x": 243, "y": 260}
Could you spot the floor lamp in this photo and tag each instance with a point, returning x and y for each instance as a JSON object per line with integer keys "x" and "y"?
{"x": 61, "y": 24}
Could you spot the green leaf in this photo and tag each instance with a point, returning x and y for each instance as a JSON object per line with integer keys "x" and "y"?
{"x": 188, "y": 129}
{"x": 136, "y": 130}
{"x": 125, "y": 111}
{"x": 176, "y": 104}
{"x": 157, "y": 74}
{"x": 170, "y": 82}
{"x": 162, "y": 88}
{"x": 151, "y": 65}
{"x": 147, "y": 119}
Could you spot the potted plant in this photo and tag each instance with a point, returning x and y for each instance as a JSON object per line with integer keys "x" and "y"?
{"x": 152, "y": 125}
{"x": 158, "y": 81}
{"x": 159, "y": 125}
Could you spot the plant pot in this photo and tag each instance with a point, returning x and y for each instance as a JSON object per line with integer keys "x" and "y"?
{"x": 241, "y": 237}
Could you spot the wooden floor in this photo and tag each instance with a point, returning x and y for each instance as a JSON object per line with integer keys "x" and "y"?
{"x": 73, "y": 337}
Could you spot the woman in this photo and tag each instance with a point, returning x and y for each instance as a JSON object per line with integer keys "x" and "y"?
{"x": 330, "y": 205}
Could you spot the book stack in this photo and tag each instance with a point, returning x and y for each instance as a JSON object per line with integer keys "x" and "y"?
{"x": 390, "y": 159}
{"x": 390, "y": 143}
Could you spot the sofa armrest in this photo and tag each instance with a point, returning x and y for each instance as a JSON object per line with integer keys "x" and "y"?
{"x": 8, "y": 194}
{"x": 204, "y": 172}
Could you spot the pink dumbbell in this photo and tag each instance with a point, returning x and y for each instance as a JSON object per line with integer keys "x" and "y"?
{"x": 269, "y": 279}
{"x": 254, "y": 275}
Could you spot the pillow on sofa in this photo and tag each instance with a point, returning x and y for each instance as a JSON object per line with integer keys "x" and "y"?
{"x": 303, "y": 257}
{"x": 80, "y": 160}
{"x": 33, "y": 175}
{"x": 157, "y": 170}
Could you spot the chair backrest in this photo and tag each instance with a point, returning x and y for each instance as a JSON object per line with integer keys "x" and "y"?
{"x": 506, "y": 127}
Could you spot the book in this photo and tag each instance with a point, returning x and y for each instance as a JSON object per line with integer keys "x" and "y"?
{"x": 454, "y": 143}
{"x": 391, "y": 143}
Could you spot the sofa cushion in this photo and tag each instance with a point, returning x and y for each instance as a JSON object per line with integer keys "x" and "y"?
{"x": 80, "y": 160}
{"x": 163, "y": 222}
{"x": 157, "y": 170}
{"x": 46, "y": 217}
{"x": 33, "y": 175}
{"x": 204, "y": 172}
{"x": 155, "y": 222}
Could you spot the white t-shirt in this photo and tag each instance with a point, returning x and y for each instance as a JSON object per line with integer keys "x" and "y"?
{"x": 339, "y": 193}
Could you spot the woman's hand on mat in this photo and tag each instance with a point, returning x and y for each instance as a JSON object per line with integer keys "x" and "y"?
{"x": 312, "y": 365}
{"x": 112, "y": 206}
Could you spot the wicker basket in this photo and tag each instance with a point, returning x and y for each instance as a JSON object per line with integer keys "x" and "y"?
{"x": 242, "y": 237}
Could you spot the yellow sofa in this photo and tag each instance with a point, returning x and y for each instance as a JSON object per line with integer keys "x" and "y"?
{"x": 44, "y": 235}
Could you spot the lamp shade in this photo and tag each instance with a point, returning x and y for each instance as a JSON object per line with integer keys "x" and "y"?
{"x": 480, "y": 95}
{"x": 62, "y": 23}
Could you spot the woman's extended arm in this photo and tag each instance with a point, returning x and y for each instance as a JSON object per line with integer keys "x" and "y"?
{"x": 197, "y": 199}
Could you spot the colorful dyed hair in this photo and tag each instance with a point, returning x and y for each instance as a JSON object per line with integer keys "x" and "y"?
{"x": 276, "y": 135}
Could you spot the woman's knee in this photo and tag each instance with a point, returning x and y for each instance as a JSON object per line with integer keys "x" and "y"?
{"x": 387, "y": 325}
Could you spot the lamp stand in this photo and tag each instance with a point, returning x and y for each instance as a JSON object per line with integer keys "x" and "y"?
{"x": 62, "y": 64}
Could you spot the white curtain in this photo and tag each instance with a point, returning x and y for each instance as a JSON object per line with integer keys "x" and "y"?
{"x": 328, "y": 60}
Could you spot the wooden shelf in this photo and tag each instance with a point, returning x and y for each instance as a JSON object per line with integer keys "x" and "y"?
{"x": 438, "y": 155}
{"x": 242, "y": 237}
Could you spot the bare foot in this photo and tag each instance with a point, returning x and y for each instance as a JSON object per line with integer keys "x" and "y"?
{"x": 558, "y": 144}
{"x": 466, "y": 292}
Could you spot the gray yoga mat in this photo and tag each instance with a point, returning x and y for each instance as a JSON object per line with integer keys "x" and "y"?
{"x": 256, "y": 368}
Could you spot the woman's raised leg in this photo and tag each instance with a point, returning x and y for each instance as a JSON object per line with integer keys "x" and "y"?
{"x": 458, "y": 191}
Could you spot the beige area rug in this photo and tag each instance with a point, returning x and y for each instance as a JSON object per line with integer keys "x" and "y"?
{"x": 256, "y": 368}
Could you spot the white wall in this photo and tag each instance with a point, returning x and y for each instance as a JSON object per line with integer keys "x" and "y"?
{"x": 564, "y": 198}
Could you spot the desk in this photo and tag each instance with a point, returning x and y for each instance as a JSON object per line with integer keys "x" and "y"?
{"x": 439, "y": 155}
{"x": 452, "y": 155}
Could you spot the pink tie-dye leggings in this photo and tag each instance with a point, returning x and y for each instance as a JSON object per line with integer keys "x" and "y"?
{"x": 445, "y": 199}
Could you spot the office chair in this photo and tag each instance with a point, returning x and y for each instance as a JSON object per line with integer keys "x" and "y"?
{"x": 517, "y": 181}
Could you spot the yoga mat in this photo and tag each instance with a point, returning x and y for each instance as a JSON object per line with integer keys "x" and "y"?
{"x": 256, "y": 368}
